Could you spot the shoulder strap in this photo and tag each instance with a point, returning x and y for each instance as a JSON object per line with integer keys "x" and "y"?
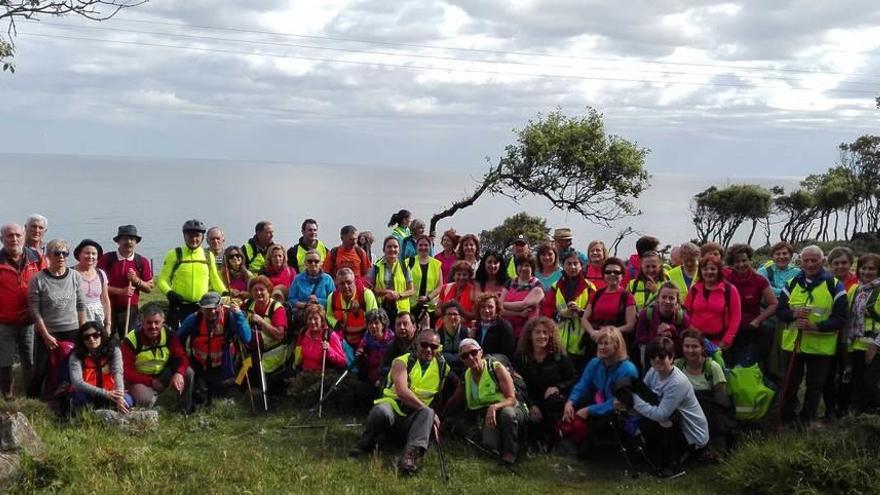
{"x": 411, "y": 262}
{"x": 139, "y": 263}
{"x": 332, "y": 256}
{"x": 871, "y": 305}
{"x": 178, "y": 253}
{"x": 599, "y": 293}
{"x": 770, "y": 270}
{"x": 112, "y": 258}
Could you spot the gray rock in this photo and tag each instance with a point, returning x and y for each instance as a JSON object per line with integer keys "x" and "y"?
{"x": 17, "y": 435}
{"x": 10, "y": 469}
{"x": 136, "y": 421}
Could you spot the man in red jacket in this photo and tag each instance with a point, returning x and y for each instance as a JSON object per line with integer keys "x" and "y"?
{"x": 18, "y": 264}
{"x": 154, "y": 361}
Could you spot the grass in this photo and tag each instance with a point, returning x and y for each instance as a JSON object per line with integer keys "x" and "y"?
{"x": 229, "y": 450}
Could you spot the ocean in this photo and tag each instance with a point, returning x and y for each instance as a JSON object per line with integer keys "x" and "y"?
{"x": 90, "y": 196}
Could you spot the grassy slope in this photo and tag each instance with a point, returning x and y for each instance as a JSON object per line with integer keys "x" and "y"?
{"x": 228, "y": 450}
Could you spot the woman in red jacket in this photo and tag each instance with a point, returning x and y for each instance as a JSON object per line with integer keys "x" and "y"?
{"x": 713, "y": 304}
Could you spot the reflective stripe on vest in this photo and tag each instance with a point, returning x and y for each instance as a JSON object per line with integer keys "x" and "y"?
{"x": 399, "y": 282}
{"x": 341, "y": 310}
{"x": 255, "y": 259}
{"x": 207, "y": 346}
{"x": 150, "y": 360}
{"x": 90, "y": 373}
{"x": 424, "y": 384}
{"x": 274, "y": 352}
{"x": 872, "y": 318}
{"x": 571, "y": 332}
{"x": 434, "y": 267}
{"x": 820, "y": 302}
{"x": 300, "y": 253}
{"x": 488, "y": 392}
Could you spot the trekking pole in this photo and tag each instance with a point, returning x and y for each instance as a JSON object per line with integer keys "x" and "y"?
{"x": 444, "y": 472}
{"x": 329, "y": 392}
{"x": 615, "y": 427}
{"x": 262, "y": 376}
{"x": 490, "y": 453}
{"x": 127, "y": 310}
{"x": 787, "y": 381}
{"x": 323, "y": 369}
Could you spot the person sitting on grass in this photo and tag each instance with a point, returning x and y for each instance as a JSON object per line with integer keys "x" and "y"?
{"x": 96, "y": 371}
{"x": 155, "y": 361}
{"x": 671, "y": 420}
{"x": 408, "y": 403}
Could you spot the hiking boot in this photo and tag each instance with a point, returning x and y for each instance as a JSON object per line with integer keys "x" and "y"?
{"x": 362, "y": 448}
{"x": 508, "y": 459}
{"x": 406, "y": 465}
{"x": 671, "y": 472}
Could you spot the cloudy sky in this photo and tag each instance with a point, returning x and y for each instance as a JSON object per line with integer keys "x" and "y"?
{"x": 737, "y": 88}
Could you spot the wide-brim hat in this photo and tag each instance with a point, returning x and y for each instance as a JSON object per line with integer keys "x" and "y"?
{"x": 127, "y": 231}
{"x": 83, "y": 244}
{"x": 562, "y": 233}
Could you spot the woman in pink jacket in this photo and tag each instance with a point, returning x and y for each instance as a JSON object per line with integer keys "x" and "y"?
{"x": 713, "y": 304}
{"x": 315, "y": 340}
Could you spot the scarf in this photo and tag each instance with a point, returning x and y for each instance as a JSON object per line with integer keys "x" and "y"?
{"x": 859, "y": 310}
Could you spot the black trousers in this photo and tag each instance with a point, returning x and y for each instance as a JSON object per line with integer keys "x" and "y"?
{"x": 41, "y": 362}
{"x": 665, "y": 445}
{"x": 815, "y": 367}
{"x": 178, "y": 312}
{"x": 118, "y": 319}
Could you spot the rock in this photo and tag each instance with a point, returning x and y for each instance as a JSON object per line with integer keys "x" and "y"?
{"x": 10, "y": 469}
{"x": 17, "y": 435}
{"x": 137, "y": 421}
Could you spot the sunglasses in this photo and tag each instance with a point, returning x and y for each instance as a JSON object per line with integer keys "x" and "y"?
{"x": 234, "y": 256}
{"x": 313, "y": 261}
{"x": 428, "y": 345}
{"x": 615, "y": 273}
{"x": 472, "y": 353}
{"x": 60, "y": 254}
{"x": 92, "y": 336}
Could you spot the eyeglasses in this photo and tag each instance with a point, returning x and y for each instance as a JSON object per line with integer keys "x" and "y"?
{"x": 92, "y": 336}
{"x": 470, "y": 354}
{"x": 454, "y": 315}
{"x": 235, "y": 256}
{"x": 60, "y": 254}
{"x": 428, "y": 345}
{"x": 613, "y": 273}
{"x": 313, "y": 261}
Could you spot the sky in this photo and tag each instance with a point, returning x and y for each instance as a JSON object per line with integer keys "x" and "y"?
{"x": 721, "y": 89}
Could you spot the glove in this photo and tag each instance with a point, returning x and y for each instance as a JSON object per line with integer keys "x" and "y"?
{"x": 174, "y": 298}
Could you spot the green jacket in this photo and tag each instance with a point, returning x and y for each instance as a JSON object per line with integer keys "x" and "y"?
{"x": 190, "y": 273}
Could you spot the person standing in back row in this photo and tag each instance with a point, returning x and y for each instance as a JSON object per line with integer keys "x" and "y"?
{"x": 296, "y": 255}
{"x": 255, "y": 248}
{"x": 348, "y": 255}
{"x": 128, "y": 274}
{"x": 188, "y": 272}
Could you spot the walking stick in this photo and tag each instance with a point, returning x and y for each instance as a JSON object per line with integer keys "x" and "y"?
{"x": 323, "y": 369}
{"x": 444, "y": 472}
{"x": 786, "y": 382}
{"x": 262, "y": 377}
{"x": 127, "y": 310}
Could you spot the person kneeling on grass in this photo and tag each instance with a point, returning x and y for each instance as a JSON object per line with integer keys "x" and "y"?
{"x": 154, "y": 361}
{"x": 210, "y": 333}
{"x": 407, "y": 405}
{"x": 672, "y": 421}
{"x": 96, "y": 371}
{"x": 490, "y": 396}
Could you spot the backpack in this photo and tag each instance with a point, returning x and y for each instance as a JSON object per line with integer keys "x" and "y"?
{"x": 178, "y": 254}
{"x": 520, "y": 389}
{"x": 621, "y": 306}
{"x": 113, "y": 258}
{"x": 751, "y": 396}
{"x": 677, "y": 318}
{"x": 333, "y": 256}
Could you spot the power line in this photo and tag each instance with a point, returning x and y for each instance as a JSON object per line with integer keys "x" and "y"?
{"x": 425, "y": 56}
{"x": 490, "y": 51}
{"x": 440, "y": 69}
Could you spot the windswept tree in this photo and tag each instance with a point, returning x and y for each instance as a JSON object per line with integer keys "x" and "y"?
{"x": 572, "y": 163}
{"x": 861, "y": 159}
{"x": 719, "y": 213}
{"x": 534, "y": 229}
{"x": 12, "y": 11}
{"x": 798, "y": 210}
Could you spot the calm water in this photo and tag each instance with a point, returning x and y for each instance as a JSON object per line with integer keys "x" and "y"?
{"x": 85, "y": 196}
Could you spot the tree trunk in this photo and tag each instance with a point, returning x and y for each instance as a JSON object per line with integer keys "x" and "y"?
{"x": 489, "y": 180}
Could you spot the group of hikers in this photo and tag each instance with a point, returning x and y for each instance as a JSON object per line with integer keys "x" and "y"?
{"x": 549, "y": 348}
